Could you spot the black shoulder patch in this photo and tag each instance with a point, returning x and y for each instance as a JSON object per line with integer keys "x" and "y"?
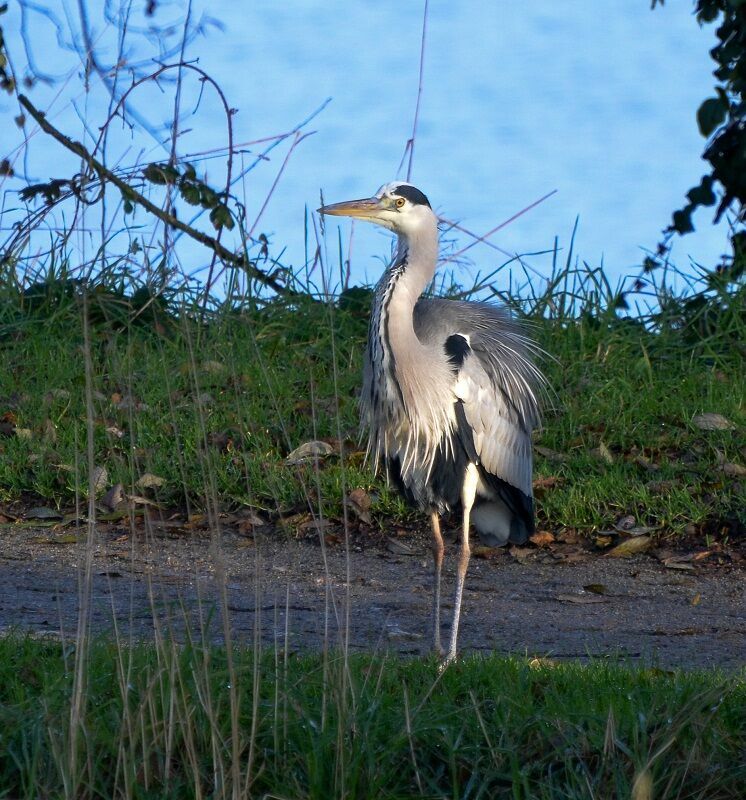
{"x": 457, "y": 348}
{"x": 413, "y": 195}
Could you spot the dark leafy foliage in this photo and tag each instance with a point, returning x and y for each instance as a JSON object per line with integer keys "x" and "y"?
{"x": 193, "y": 191}
{"x": 722, "y": 116}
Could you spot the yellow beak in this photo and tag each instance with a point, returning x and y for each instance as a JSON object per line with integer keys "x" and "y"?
{"x": 369, "y": 208}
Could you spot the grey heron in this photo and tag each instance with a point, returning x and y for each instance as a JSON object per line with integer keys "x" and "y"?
{"x": 450, "y": 394}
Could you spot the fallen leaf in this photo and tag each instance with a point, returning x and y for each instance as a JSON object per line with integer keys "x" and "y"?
{"x": 630, "y": 547}
{"x": 359, "y": 502}
{"x": 141, "y": 501}
{"x": 681, "y": 565}
{"x": 596, "y": 588}
{"x": 399, "y": 547}
{"x": 248, "y": 517}
{"x": 661, "y": 487}
{"x": 213, "y": 368}
{"x": 56, "y": 394}
{"x": 541, "y": 663}
{"x": 314, "y": 524}
{"x": 581, "y": 599}
{"x": 309, "y": 451}
{"x": 485, "y": 552}
{"x": 605, "y": 453}
{"x": 43, "y": 512}
{"x": 569, "y": 554}
{"x": 521, "y": 554}
{"x": 99, "y": 479}
{"x": 49, "y": 431}
{"x": 645, "y": 463}
{"x": 149, "y": 481}
{"x": 638, "y": 530}
{"x": 23, "y": 433}
{"x": 128, "y": 403}
{"x": 397, "y": 633}
{"x": 65, "y": 538}
{"x": 550, "y": 455}
{"x": 642, "y": 787}
{"x": 734, "y": 470}
{"x": 712, "y": 422}
{"x": 114, "y": 497}
{"x": 547, "y": 482}
{"x": 542, "y": 538}
{"x": 695, "y": 601}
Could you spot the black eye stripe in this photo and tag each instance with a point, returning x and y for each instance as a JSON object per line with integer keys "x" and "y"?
{"x": 415, "y": 196}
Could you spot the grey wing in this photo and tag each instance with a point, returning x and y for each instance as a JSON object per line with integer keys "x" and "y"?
{"x": 495, "y": 379}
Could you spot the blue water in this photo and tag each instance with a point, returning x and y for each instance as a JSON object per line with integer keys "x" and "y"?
{"x": 594, "y": 100}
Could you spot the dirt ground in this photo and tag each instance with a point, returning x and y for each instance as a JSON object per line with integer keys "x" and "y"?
{"x": 300, "y": 595}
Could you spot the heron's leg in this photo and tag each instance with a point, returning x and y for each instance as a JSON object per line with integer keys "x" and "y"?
{"x": 468, "y": 493}
{"x": 438, "y": 550}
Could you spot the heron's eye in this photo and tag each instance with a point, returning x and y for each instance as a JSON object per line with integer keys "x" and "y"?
{"x": 400, "y": 202}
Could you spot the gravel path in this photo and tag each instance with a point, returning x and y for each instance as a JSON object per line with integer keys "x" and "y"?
{"x": 283, "y": 591}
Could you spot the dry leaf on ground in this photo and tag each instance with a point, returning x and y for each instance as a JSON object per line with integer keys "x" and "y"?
{"x": 712, "y": 422}
{"x": 734, "y": 470}
{"x": 521, "y": 554}
{"x": 114, "y": 497}
{"x": 542, "y": 538}
{"x": 99, "y": 479}
{"x": 581, "y": 599}
{"x": 550, "y": 455}
{"x": 485, "y": 552}
{"x": 399, "y": 548}
{"x": 630, "y": 547}
{"x": 43, "y": 512}
{"x": 149, "y": 481}
{"x": 359, "y": 502}
{"x": 309, "y": 451}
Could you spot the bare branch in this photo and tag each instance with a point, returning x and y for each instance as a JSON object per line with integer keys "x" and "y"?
{"x": 134, "y": 196}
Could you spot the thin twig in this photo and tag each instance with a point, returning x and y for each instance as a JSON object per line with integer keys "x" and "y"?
{"x": 410, "y": 143}
{"x": 494, "y": 230}
{"x": 134, "y": 196}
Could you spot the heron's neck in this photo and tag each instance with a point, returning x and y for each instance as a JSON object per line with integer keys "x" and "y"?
{"x": 416, "y": 259}
{"x": 400, "y": 288}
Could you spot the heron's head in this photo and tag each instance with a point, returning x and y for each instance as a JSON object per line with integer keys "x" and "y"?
{"x": 398, "y": 206}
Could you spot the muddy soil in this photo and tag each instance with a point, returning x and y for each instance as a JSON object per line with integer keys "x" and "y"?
{"x": 300, "y": 595}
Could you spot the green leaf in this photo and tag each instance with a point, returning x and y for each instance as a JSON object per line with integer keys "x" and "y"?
{"x": 702, "y": 195}
{"x": 682, "y": 220}
{"x": 208, "y": 197}
{"x": 160, "y": 173}
{"x": 711, "y": 114}
{"x": 190, "y": 192}
{"x": 221, "y": 217}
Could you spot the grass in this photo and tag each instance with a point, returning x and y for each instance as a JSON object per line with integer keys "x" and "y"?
{"x": 214, "y": 409}
{"x": 167, "y": 722}
{"x": 212, "y": 406}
